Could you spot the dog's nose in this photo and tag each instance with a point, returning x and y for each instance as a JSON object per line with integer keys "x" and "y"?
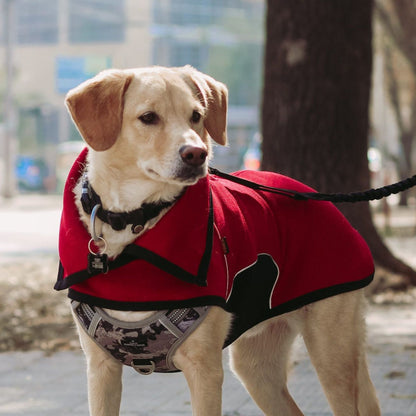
{"x": 193, "y": 156}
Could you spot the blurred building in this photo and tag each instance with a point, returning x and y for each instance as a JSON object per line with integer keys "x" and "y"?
{"x": 60, "y": 43}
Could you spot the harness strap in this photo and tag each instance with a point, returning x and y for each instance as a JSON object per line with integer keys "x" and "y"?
{"x": 369, "y": 195}
{"x": 147, "y": 345}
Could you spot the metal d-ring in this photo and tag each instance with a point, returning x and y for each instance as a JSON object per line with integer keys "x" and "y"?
{"x": 96, "y": 241}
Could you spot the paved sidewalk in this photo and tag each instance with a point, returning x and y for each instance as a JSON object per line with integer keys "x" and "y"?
{"x": 32, "y": 384}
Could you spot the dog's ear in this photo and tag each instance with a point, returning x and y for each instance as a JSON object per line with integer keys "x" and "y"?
{"x": 96, "y": 107}
{"x": 214, "y": 97}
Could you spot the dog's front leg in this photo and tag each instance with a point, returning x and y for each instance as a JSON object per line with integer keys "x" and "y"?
{"x": 104, "y": 385}
{"x": 200, "y": 359}
{"x": 104, "y": 379}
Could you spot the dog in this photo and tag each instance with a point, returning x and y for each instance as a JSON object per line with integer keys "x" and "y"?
{"x": 143, "y": 217}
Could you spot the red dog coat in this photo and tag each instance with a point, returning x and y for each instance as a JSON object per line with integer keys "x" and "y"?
{"x": 253, "y": 253}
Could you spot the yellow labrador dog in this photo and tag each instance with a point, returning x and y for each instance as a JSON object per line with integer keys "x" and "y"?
{"x": 148, "y": 133}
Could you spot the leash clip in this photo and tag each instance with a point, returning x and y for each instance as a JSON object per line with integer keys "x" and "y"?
{"x": 94, "y": 235}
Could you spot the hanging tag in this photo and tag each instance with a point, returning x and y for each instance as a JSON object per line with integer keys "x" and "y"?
{"x": 97, "y": 263}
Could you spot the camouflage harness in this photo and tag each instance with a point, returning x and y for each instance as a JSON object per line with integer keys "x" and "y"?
{"x": 147, "y": 345}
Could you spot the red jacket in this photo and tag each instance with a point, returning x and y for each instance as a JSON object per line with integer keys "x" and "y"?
{"x": 251, "y": 252}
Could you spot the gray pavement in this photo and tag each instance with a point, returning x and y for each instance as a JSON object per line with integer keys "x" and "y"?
{"x": 33, "y": 384}
{"x": 29, "y": 225}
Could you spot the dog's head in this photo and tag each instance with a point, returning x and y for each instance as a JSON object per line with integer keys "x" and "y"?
{"x": 157, "y": 120}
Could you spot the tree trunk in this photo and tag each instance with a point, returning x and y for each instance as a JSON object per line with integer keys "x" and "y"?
{"x": 318, "y": 63}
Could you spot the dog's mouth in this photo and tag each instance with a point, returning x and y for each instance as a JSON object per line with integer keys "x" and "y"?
{"x": 187, "y": 175}
{"x": 191, "y": 174}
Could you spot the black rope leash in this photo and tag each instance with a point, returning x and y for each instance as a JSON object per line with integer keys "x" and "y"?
{"x": 370, "y": 195}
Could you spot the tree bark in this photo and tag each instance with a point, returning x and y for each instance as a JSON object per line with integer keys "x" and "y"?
{"x": 318, "y": 63}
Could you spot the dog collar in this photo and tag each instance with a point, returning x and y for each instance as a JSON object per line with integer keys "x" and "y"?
{"x": 119, "y": 220}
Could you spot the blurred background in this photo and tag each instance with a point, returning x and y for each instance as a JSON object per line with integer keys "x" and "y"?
{"x": 50, "y": 46}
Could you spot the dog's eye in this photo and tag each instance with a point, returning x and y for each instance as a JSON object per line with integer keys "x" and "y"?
{"x": 196, "y": 117}
{"x": 149, "y": 118}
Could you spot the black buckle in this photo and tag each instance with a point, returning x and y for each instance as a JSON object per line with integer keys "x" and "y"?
{"x": 86, "y": 197}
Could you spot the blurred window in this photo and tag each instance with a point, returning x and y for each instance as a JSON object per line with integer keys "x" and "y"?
{"x": 186, "y": 53}
{"x": 191, "y": 12}
{"x": 174, "y": 52}
{"x": 37, "y": 21}
{"x": 96, "y": 21}
{"x": 182, "y": 12}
